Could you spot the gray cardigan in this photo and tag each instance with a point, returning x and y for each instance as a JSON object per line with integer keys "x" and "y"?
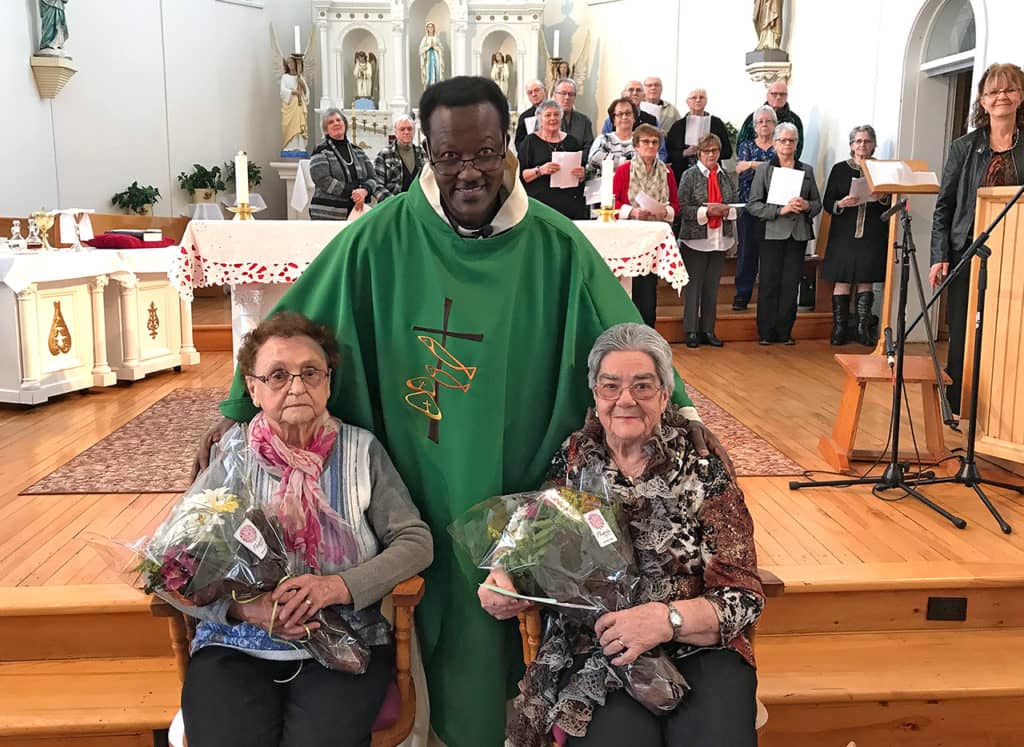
{"x": 693, "y": 194}
{"x": 798, "y": 226}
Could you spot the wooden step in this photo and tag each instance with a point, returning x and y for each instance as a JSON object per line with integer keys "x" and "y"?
{"x": 74, "y": 622}
{"x": 898, "y": 689}
{"x": 741, "y": 326}
{"x": 83, "y": 697}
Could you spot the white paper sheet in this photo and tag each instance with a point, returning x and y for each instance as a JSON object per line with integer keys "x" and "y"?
{"x": 592, "y": 191}
{"x": 531, "y": 124}
{"x": 697, "y": 127}
{"x": 653, "y": 109}
{"x": 859, "y": 188}
{"x": 539, "y": 600}
{"x": 646, "y": 202}
{"x": 563, "y": 178}
{"x": 785, "y": 185}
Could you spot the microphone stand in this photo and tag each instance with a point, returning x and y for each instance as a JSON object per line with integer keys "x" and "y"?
{"x": 894, "y": 475}
{"x": 969, "y": 474}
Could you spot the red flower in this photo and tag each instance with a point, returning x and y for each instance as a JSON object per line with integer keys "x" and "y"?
{"x": 177, "y": 567}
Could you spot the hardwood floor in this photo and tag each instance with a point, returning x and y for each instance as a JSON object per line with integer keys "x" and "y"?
{"x": 788, "y": 395}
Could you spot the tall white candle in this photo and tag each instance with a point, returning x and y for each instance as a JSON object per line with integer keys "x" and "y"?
{"x": 298, "y": 47}
{"x": 607, "y": 177}
{"x": 554, "y": 48}
{"x": 241, "y": 178}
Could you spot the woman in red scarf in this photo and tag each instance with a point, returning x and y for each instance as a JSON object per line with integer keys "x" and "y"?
{"x": 351, "y": 530}
{"x": 707, "y": 231}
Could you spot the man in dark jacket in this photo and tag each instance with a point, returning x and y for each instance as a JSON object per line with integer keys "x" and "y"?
{"x": 399, "y": 164}
{"x": 778, "y": 99}
{"x": 535, "y": 93}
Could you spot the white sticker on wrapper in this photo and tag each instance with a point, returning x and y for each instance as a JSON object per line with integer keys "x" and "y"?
{"x": 252, "y": 539}
{"x": 599, "y": 527}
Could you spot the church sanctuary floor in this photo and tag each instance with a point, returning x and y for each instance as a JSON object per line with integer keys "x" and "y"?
{"x": 851, "y": 651}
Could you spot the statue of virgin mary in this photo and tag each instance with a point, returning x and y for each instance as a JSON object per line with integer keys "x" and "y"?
{"x": 431, "y": 57}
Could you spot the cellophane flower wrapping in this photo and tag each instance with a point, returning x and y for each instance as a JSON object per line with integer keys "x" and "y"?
{"x": 220, "y": 542}
{"x": 571, "y": 545}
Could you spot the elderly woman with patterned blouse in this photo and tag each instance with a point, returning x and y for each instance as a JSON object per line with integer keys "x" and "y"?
{"x": 700, "y": 594}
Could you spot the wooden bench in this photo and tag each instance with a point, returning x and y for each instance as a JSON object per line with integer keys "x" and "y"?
{"x": 861, "y": 370}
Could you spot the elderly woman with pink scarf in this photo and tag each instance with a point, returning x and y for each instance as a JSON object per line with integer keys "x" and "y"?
{"x": 351, "y": 529}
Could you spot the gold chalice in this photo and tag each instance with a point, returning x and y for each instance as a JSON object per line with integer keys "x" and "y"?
{"x": 44, "y": 221}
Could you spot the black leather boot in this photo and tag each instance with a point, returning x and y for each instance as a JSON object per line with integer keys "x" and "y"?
{"x": 840, "y": 318}
{"x": 865, "y": 318}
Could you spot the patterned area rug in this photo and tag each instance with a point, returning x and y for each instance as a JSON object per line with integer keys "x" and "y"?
{"x": 751, "y": 455}
{"x": 153, "y": 452}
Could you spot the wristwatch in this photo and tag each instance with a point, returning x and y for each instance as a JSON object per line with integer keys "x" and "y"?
{"x": 675, "y": 618}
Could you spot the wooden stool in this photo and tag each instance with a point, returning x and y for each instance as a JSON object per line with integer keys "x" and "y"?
{"x": 862, "y": 369}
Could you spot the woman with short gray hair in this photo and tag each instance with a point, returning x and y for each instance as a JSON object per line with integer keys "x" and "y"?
{"x": 857, "y": 240}
{"x": 537, "y": 162}
{"x": 787, "y": 229}
{"x": 342, "y": 175}
{"x": 701, "y": 594}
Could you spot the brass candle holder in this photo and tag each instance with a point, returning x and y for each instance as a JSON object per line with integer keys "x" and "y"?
{"x": 606, "y": 214}
{"x": 242, "y": 211}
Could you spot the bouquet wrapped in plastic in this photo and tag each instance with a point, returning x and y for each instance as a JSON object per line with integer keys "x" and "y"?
{"x": 567, "y": 549}
{"x": 219, "y": 542}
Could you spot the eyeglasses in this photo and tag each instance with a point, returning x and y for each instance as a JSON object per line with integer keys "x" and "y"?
{"x": 648, "y": 141}
{"x": 483, "y": 162}
{"x": 279, "y": 378}
{"x": 1007, "y": 92}
{"x": 619, "y": 115}
{"x": 783, "y": 95}
{"x": 635, "y": 90}
{"x": 641, "y": 390}
{"x": 710, "y": 150}
{"x": 566, "y": 94}
{"x": 786, "y": 140}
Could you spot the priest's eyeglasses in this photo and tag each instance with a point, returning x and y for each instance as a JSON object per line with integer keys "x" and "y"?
{"x": 641, "y": 390}
{"x": 481, "y": 161}
{"x": 279, "y": 378}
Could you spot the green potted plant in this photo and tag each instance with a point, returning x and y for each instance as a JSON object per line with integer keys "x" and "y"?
{"x": 202, "y": 183}
{"x": 255, "y": 174}
{"x": 136, "y": 199}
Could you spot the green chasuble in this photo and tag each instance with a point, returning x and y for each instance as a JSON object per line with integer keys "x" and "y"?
{"x": 467, "y": 358}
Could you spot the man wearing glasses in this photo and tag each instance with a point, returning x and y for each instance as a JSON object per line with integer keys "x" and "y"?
{"x": 634, "y": 91}
{"x": 535, "y": 93}
{"x": 573, "y": 122}
{"x": 778, "y": 99}
{"x": 465, "y": 313}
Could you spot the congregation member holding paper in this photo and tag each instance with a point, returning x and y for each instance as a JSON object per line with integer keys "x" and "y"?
{"x": 857, "y": 240}
{"x": 784, "y": 196}
{"x": 707, "y": 230}
{"x": 645, "y": 189}
{"x": 990, "y": 156}
{"x": 550, "y": 163}
{"x": 683, "y": 136}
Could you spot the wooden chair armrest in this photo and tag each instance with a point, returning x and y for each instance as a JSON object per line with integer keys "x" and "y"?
{"x": 773, "y": 585}
{"x": 159, "y": 608}
{"x": 408, "y": 593}
{"x": 530, "y": 628}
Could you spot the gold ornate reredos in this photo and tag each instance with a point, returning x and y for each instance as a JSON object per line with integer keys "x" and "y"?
{"x": 59, "y": 340}
{"x": 154, "y": 321}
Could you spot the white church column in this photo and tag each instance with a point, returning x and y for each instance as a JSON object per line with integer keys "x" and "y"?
{"x": 337, "y": 87}
{"x": 459, "y": 62}
{"x": 397, "y": 67}
{"x": 325, "y": 101}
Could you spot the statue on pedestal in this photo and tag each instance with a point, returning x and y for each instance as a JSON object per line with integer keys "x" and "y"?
{"x": 431, "y": 57}
{"x": 501, "y": 71}
{"x": 294, "y": 93}
{"x": 53, "y": 24}
{"x": 576, "y": 71}
{"x": 768, "y": 24}
{"x": 365, "y": 72}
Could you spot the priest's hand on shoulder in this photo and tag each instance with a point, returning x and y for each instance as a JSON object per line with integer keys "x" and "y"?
{"x": 212, "y": 436}
{"x": 705, "y": 442}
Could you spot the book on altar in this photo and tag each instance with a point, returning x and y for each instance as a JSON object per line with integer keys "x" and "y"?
{"x": 143, "y": 234}
{"x": 911, "y": 177}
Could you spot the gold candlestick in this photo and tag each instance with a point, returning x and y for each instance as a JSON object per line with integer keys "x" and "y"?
{"x": 242, "y": 211}
{"x": 606, "y": 214}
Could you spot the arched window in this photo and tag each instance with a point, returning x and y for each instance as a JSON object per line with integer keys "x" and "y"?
{"x": 951, "y": 39}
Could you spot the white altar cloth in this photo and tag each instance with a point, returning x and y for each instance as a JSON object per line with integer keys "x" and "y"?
{"x": 18, "y": 271}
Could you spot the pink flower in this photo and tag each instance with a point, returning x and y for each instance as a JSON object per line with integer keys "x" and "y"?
{"x": 177, "y": 567}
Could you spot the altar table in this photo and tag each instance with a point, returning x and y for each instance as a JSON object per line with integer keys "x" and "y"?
{"x": 259, "y": 259}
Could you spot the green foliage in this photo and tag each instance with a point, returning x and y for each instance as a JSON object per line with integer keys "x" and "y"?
{"x": 255, "y": 174}
{"x": 201, "y": 178}
{"x": 134, "y": 197}
{"x": 733, "y": 134}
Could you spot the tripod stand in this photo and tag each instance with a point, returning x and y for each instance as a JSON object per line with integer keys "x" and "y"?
{"x": 969, "y": 474}
{"x": 894, "y": 475}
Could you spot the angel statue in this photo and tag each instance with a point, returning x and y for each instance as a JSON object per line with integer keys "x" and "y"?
{"x": 365, "y": 72}
{"x": 294, "y": 93}
{"x": 768, "y": 23}
{"x": 501, "y": 70}
{"x": 53, "y": 25}
{"x": 431, "y": 57}
{"x": 575, "y": 71}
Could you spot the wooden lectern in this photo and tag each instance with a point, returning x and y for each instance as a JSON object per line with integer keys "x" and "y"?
{"x": 1000, "y": 427}
{"x": 861, "y": 370}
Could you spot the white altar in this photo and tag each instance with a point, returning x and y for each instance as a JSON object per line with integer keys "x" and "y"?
{"x": 260, "y": 259}
{"x": 74, "y": 320}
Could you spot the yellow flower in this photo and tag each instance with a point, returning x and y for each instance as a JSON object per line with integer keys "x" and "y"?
{"x": 220, "y": 500}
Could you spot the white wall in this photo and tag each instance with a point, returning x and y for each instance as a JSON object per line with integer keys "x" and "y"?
{"x": 161, "y": 84}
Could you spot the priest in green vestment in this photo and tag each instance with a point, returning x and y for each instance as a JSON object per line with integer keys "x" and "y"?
{"x": 465, "y": 313}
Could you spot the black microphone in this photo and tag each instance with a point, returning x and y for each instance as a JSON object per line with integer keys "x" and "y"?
{"x": 485, "y": 232}
{"x": 890, "y": 348}
{"x": 896, "y": 208}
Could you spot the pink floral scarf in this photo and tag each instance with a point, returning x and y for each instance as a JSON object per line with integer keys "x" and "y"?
{"x": 311, "y": 527}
